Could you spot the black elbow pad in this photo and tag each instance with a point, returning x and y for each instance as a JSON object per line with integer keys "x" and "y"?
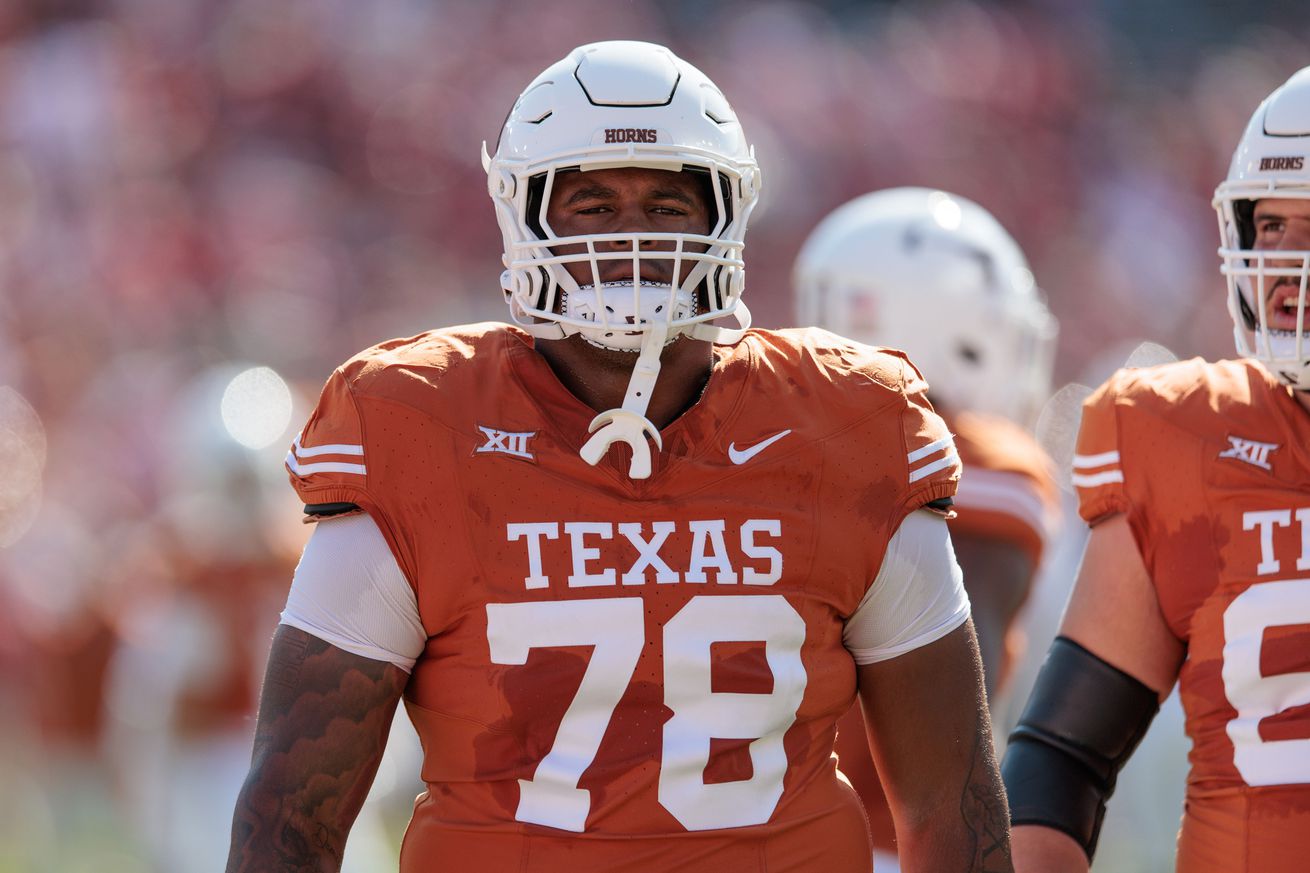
{"x": 316, "y": 511}
{"x": 1082, "y": 721}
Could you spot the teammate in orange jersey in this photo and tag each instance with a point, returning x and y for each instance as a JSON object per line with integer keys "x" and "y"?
{"x": 1195, "y": 478}
{"x": 625, "y": 638}
{"x": 886, "y": 268}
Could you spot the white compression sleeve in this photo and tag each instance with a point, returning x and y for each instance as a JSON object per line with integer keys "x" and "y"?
{"x": 917, "y": 598}
{"x": 349, "y": 591}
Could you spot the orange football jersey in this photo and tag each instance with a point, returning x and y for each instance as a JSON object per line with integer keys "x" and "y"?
{"x": 1211, "y": 465}
{"x": 620, "y": 674}
{"x": 1006, "y": 493}
{"x": 1007, "y": 490}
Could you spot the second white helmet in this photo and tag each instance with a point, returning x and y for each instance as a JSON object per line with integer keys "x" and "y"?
{"x": 936, "y": 275}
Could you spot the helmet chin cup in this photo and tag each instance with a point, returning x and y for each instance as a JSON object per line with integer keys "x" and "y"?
{"x": 622, "y": 425}
{"x": 629, "y": 424}
{"x": 619, "y": 313}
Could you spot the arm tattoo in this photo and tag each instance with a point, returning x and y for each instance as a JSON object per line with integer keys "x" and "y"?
{"x": 984, "y": 808}
{"x": 324, "y": 716}
{"x": 285, "y": 661}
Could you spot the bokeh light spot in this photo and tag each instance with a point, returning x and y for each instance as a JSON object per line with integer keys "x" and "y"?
{"x": 256, "y": 407}
{"x": 945, "y": 211}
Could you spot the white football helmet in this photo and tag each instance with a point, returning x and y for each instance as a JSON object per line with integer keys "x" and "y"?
{"x": 936, "y": 275}
{"x": 1272, "y": 161}
{"x": 623, "y": 104}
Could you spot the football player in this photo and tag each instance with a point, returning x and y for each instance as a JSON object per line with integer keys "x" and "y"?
{"x": 1195, "y": 479}
{"x": 627, "y": 567}
{"x": 883, "y": 269}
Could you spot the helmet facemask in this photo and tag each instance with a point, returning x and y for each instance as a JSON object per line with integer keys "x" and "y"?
{"x": 698, "y": 269}
{"x": 1252, "y": 275}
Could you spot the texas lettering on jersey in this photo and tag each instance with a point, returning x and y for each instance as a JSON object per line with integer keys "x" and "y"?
{"x": 614, "y": 665}
{"x": 593, "y": 565}
{"x": 1266, "y": 521}
{"x": 1211, "y": 465}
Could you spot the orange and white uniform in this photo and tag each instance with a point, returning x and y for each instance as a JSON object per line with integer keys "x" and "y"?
{"x": 1007, "y": 489}
{"x": 620, "y": 674}
{"x": 1006, "y": 493}
{"x": 1211, "y": 465}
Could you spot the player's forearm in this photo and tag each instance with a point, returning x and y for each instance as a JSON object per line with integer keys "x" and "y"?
{"x": 967, "y": 845}
{"x": 1039, "y": 849}
{"x": 966, "y": 831}
{"x": 932, "y": 741}
{"x": 278, "y": 831}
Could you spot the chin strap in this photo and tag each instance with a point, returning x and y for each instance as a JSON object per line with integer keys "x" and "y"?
{"x": 629, "y": 424}
{"x": 723, "y": 335}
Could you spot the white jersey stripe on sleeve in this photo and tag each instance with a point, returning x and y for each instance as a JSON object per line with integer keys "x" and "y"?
{"x": 930, "y": 449}
{"x": 1084, "y": 465}
{"x": 928, "y": 469}
{"x": 945, "y": 445}
{"x": 322, "y": 467}
{"x": 1087, "y": 462}
{"x": 333, "y": 449}
{"x": 1094, "y": 479}
{"x": 299, "y": 452}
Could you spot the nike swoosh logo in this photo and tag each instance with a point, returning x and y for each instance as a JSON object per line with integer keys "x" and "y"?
{"x": 741, "y": 456}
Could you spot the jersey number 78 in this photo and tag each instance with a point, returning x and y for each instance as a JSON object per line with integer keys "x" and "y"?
{"x": 615, "y": 627}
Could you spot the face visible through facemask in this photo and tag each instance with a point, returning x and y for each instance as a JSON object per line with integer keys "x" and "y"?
{"x": 1283, "y": 225}
{"x": 615, "y": 289}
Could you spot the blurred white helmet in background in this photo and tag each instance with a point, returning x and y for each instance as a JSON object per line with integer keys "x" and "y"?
{"x": 937, "y": 276}
{"x": 622, "y": 104}
{"x": 1272, "y": 161}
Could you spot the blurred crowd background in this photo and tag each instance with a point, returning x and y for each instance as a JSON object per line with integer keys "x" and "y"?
{"x": 205, "y": 205}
